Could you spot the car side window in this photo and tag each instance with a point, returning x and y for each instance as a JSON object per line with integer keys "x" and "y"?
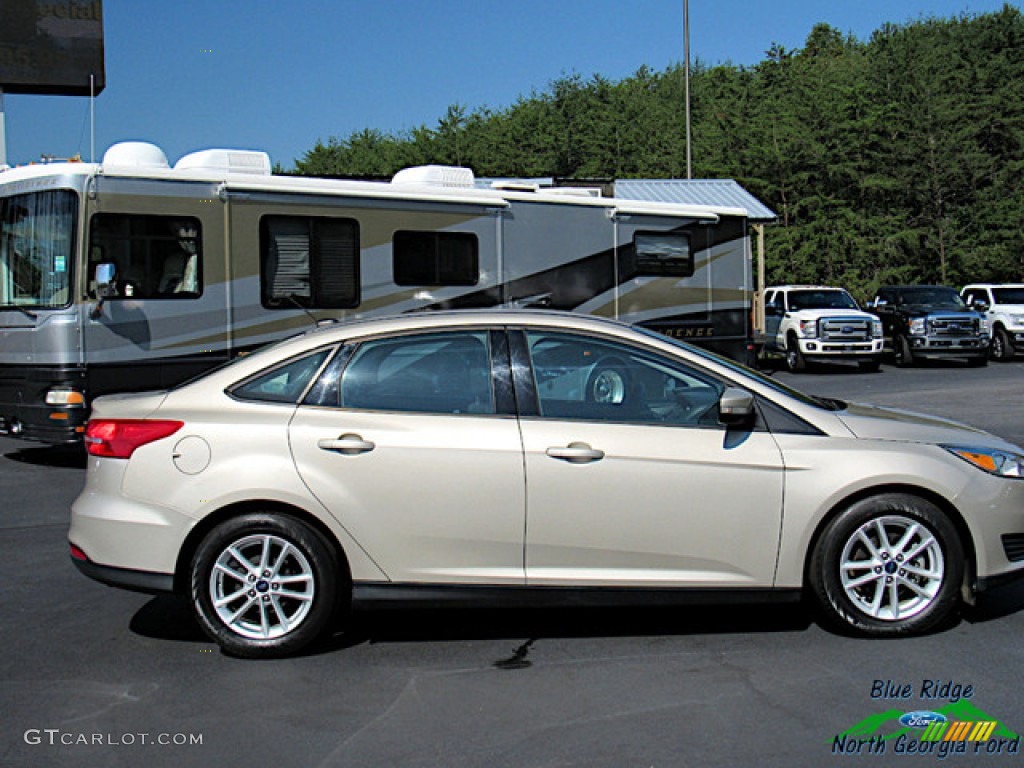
{"x": 447, "y": 373}
{"x": 581, "y": 378}
{"x": 283, "y": 383}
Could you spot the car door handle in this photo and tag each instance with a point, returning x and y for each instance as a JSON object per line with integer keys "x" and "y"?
{"x": 347, "y": 445}
{"x": 576, "y": 453}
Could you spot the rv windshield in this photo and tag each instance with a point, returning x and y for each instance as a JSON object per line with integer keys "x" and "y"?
{"x": 37, "y": 238}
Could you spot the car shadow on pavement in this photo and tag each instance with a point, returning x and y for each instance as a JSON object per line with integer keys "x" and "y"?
{"x": 449, "y": 624}
{"x": 996, "y": 604}
{"x": 60, "y": 456}
{"x": 169, "y": 617}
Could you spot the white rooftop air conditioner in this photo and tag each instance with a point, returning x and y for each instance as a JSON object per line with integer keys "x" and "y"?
{"x": 135, "y": 154}
{"x": 245, "y": 161}
{"x": 436, "y": 176}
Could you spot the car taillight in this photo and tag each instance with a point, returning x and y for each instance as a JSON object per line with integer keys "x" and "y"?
{"x": 118, "y": 438}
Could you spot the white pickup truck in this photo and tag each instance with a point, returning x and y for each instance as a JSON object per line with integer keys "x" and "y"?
{"x": 1003, "y": 305}
{"x": 818, "y": 323}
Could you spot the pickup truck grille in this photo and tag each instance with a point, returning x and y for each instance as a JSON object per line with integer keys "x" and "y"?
{"x": 953, "y": 326}
{"x": 844, "y": 329}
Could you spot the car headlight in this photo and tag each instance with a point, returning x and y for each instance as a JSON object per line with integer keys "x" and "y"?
{"x": 991, "y": 460}
{"x": 983, "y": 326}
{"x": 876, "y": 329}
{"x": 809, "y": 329}
{"x": 917, "y": 326}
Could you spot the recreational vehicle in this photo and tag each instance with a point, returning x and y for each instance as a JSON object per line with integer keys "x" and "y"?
{"x": 134, "y": 274}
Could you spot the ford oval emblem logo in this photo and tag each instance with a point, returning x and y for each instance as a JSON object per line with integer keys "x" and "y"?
{"x": 847, "y": 329}
{"x": 921, "y": 719}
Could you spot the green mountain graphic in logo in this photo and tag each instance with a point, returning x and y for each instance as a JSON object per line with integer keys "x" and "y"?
{"x": 880, "y": 724}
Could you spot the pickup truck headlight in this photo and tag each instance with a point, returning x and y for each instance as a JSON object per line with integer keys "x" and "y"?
{"x": 991, "y": 460}
{"x": 983, "y": 326}
{"x": 917, "y": 326}
{"x": 809, "y": 329}
{"x": 876, "y": 329}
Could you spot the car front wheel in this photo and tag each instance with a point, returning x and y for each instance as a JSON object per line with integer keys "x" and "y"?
{"x": 1002, "y": 346}
{"x": 901, "y": 350}
{"x": 888, "y": 565}
{"x": 265, "y": 585}
{"x": 795, "y": 361}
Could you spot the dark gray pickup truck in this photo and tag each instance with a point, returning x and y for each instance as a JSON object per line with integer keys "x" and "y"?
{"x": 930, "y": 321}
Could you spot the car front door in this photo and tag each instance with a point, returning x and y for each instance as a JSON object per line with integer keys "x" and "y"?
{"x": 631, "y": 479}
{"x": 414, "y": 448}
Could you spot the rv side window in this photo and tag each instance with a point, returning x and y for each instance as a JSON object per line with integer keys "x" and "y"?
{"x": 663, "y": 254}
{"x": 310, "y": 262}
{"x": 436, "y": 258}
{"x": 154, "y": 257}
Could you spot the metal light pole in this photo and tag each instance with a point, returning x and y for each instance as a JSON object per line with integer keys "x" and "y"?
{"x": 686, "y": 54}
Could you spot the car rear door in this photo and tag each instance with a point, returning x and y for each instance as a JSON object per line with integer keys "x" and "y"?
{"x": 631, "y": 479}
{"x": 412, "y": 445}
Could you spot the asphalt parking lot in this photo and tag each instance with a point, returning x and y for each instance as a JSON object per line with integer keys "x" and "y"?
{"x": 92, "y": 676}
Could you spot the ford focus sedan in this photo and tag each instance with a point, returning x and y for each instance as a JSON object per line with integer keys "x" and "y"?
{"x": 506, "y": 457}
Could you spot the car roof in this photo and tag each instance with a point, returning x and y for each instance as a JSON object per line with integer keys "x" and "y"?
{"x": 332, "y": 333}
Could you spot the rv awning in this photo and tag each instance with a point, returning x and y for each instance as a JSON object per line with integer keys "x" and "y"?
{"x": 716, "y": 193}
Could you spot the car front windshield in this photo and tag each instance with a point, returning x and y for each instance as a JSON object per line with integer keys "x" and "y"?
{"x": 37, "y": 240}
{"x": 933, "y": 296}
{"x": 821, "y": 299}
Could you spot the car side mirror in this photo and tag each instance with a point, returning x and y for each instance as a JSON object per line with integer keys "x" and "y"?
{"x": 735, "y": 407}
{"x": 106, "y": 271}
{"x": 105, "y": 274}
{"x": 980, "y": 306}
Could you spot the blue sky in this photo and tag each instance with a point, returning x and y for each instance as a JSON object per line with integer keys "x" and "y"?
{"x": 280, "y": 75}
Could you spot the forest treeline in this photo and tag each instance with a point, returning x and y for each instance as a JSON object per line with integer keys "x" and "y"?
{"x": 896, "y": 159}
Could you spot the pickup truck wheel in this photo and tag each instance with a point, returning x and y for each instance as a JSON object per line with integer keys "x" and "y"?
{"x": 887, "y": 565}
{"x": 1002, "y": 346}
{"x": 901, "y": 350}
{"x": 795, "y": 361}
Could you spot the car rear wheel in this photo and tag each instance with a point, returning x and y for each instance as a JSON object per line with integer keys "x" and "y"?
{"x": 265, "y": 585}
{"x": 888, "y": 565}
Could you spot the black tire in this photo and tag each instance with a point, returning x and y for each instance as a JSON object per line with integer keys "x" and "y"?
{"x": 608, "y": 382}
{"x": 1002, "y": 346}
{"x": 869, "y": 366}
{"x": 924, "y": 589}
{"x": 795, "y": 361}
{"x": 901, "y": 351}
{"x": 308, "y": 593}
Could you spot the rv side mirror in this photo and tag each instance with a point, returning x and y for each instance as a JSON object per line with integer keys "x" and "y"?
{"x": 106, "y": 271}
{"x": 735, "y": 407}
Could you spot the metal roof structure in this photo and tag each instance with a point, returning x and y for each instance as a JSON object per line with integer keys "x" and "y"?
{"x": 716, "y": 192}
